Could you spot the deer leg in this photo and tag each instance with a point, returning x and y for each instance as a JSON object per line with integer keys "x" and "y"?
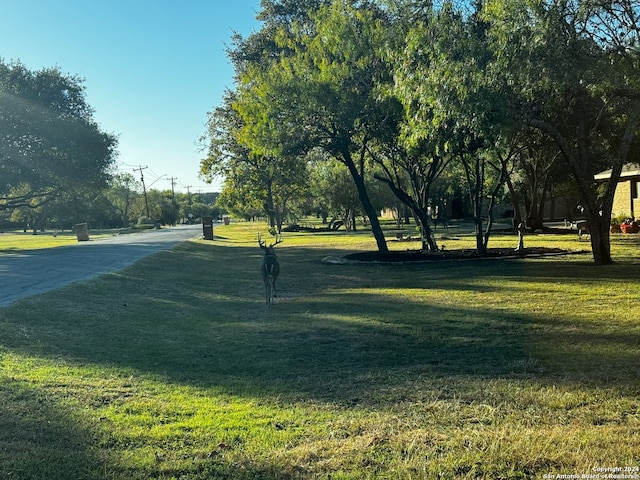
{"x": 271, "y": 294}
{"x": 267, "y": 292}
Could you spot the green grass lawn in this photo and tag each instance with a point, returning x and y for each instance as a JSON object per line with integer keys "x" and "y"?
{"x": 15, "y": 241}
{"x": 175, "y": 368}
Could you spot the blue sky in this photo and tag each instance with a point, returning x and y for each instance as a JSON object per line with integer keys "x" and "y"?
{"x": 152, "y": 69}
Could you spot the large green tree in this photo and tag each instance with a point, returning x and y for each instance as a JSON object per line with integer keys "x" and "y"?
{"x": 122, "y": 193}
{"x": 452, "y": 107}
{"x": 314, "y": 86}
{"x": 572, "y": 70}
{"x": 50, "y": 145}
{"x": 270, "y": 180}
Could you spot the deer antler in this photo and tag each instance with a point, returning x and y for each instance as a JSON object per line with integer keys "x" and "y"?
{"x": 263, "y": 244}
{"x": 278, "y": 240}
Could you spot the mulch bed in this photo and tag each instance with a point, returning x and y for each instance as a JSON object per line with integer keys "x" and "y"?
{"x": 409, "y": 256}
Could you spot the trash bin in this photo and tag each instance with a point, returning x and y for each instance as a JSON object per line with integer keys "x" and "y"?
{"x": 226, "y": 219}
{"x": 207, "y": 228}
{"x": 82, "y": 232}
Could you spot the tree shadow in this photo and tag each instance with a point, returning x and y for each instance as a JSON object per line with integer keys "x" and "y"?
{"x": 40, "y": 438}
{"x": 335, "y": 334}
{"x": 366, "y": 335}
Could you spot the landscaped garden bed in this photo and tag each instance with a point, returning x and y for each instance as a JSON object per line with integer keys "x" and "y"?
{"x": 409, "y": 256}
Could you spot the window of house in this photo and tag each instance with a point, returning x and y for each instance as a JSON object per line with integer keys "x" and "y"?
{"x": 635, "y": 189}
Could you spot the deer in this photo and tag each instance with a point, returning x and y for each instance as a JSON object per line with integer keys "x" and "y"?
{"x": 270, "y": 268}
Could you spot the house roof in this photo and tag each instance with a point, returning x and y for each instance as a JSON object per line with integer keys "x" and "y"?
{"x": 628, "y": 170}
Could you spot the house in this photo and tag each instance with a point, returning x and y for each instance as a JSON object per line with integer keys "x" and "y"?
{"x": 627, "y": 197}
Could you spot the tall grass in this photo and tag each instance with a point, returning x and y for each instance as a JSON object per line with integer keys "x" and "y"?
{"x": 174, "y": 368}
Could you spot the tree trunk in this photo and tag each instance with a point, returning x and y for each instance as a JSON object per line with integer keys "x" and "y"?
{"x": 515, "y": 202}
{"x": 481, "y": 247}
{"x": 269, "y": 206}
{"x": 600, "y": 245}
{"x": 475, "y": 183}
{"x": 367, "y": 206}
{"x": 476, "y": 201}
{"x": 428, "y": 240}
{"x": 419, "y": 214}
{"x": 537, "y": 206}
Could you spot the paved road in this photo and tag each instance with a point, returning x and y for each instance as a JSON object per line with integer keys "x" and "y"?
{"x": 38, "y": 271}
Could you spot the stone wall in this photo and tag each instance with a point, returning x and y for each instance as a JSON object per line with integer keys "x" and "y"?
{"x": 622, "y": 199}
{"x": 626, "y": 200}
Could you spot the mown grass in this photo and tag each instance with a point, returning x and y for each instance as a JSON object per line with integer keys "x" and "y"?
{"x": 15, "y": 241}
{"x": 174, "y": 368}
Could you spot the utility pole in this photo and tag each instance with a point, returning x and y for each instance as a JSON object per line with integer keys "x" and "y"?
{"x": 174, "y": 204}
{"x": 189, "y": 202}
{"x": 173, "y": 184}
{"x": 144, "y": 189}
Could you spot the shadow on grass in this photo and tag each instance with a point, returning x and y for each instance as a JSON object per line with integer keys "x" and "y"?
{"x": 345, "y": 335}
{"x": 42, "y": 439}
{"x": 39, "y": 438}
{"x": 196, "y": 315}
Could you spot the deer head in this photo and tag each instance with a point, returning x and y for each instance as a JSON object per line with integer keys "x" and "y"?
{"x": 269, "y": 249}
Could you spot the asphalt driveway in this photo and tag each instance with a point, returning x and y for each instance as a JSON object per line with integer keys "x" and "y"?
{"x": 38, "y": 271}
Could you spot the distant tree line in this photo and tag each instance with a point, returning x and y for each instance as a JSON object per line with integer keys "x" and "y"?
{"x": 512, "y": 100}
{"x": 57, "y": 167}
